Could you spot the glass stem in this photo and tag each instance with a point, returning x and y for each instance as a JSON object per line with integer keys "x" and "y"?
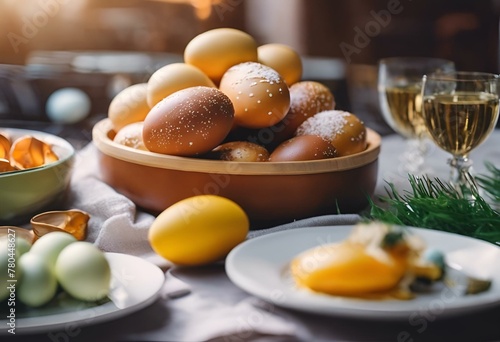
{"x": 461, "y": 178}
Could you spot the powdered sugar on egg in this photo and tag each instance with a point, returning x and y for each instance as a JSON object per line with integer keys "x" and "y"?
{"x": 188, "y": 122}
{"x": 260, "y": 96}
{"x": 343, "y": 129}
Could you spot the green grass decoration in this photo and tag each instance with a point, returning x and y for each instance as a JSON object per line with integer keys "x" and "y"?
{"x": 437, "y": 205}
{"x": 490, "y": 183}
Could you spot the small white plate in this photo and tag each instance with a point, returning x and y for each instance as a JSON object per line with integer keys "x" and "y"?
{"x": 259, "y": 266}
{"x": 135, "y": 284}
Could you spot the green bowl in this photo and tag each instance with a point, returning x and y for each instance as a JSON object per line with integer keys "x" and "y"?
{"x": 27, "y": 192}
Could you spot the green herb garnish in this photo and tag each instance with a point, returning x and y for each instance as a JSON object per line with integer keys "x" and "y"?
{"x": 392, "y": 238}
{"x": 490, "y": 183}
{"x": 437, "y": 205}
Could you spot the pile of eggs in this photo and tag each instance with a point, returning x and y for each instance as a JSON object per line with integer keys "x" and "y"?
{"x": 234, "y": 100}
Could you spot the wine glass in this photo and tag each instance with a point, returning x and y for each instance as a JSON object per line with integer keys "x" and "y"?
{"x": 460, "y": 110}
{"x": 399, "y": 89}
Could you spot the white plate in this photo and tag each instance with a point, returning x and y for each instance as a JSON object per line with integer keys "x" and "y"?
{"x": 135, "y": 284}
{"x": 260, "y": 267}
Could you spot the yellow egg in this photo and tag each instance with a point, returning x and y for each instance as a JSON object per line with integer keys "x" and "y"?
{"x": 282, "y": 58}
{"x": 198, "y": 230}
{"x": 173, "y": 77}
{"x": 128, "y": 106}
{"x": 217, "y": 50}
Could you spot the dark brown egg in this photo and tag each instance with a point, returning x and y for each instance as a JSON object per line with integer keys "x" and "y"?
{"x": 188, "y": 122}
{"x": 241, "y": 151}
{"x": 304, "y": 147}
{"x": 344, "y": 130}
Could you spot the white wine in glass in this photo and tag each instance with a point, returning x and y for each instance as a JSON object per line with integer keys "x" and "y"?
{"x": 400, "y": 91}
{"x": 460, "y": 110}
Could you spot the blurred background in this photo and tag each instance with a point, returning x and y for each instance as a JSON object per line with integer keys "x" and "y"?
{"x": 102, "y": 46}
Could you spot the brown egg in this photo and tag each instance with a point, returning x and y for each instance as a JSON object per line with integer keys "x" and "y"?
{"x": 282, "y": 58}
{"x": 241, "y": 151}
{"x": 128, "y": 106}
{"x": 307, "y": 98}
{"x": 217, "y": 50}
{"x": 344, "y": 130}
{"x": 189, "y": 122}
{"x": 303, "y": 147}
{"x": 260, "y": 96}
{"x": 131, "y": 136}
{"x": 173, "y": 77}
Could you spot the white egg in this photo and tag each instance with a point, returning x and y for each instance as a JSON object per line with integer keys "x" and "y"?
{"x": 38, "y": 283}
{"x": 83, "y": 271}
{"x": 68, "y": 105}
{"x": 50, "y": 245}
{"x": 22, "y": 246}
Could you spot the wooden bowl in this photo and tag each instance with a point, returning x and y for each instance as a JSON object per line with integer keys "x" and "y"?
{"x": 269, "y": 192}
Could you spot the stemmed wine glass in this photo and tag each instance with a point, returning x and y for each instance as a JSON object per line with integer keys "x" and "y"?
{"x": 460, "y": 110}
{"x": 399, "y": 89}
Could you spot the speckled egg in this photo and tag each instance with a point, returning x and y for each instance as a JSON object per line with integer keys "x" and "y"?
{"x": 241, "y": 151}
{"x": 259, "y": 94}
{"x": 345, "y": 131}
{"x": 189, "y": 122}
{"x": 131, "y": 136}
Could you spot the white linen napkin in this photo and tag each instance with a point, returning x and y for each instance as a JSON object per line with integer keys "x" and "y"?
{"x": 115, "y": 224}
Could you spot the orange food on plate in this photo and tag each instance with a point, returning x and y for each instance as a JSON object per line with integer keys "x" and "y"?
{"x": 376, "y": 260}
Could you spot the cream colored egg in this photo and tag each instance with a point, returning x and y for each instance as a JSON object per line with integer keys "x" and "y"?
{"x": 128, "y": 106}
{"x": 217, "y": 50}
{"x": 83, "y": 271}
{"x": 282, "y": 58}
{"x": 173, "y": 77}
{"x": 50, "y": 245}
{"x": 38, "y": 283}
{"x": 11, "y": 249}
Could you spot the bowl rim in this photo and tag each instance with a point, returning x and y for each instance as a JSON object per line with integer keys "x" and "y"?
{"x": 66, "y": 150}
{"x": 113, "y": 149}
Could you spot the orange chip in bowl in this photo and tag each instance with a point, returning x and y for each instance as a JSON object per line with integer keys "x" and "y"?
{"x": 27, "y": 152}
{"x": 4, "y": 147}
{"x": 5, "y": 165}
